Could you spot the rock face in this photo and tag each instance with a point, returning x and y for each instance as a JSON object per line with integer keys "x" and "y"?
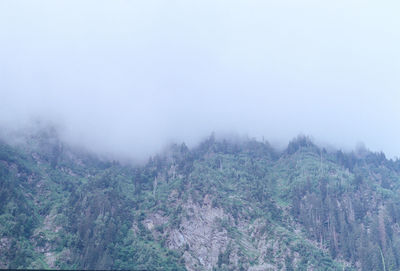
{"x": 200, "y": 235}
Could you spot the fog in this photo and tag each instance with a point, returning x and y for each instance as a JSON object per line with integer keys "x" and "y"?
{"x": 129, "y": 77}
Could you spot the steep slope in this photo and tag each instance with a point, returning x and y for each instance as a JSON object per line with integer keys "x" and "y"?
{"x": 221, "y": 206}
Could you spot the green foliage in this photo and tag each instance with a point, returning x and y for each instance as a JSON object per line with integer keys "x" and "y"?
{"x": 314, "y": 208}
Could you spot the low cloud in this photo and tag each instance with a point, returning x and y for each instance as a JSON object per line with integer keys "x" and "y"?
{"x": 129, "y": 77}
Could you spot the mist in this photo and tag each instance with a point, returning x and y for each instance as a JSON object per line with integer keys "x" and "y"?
{"x": 130, "y": 77}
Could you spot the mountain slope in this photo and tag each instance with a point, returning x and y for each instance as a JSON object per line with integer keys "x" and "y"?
{"x": 221, "y": 206}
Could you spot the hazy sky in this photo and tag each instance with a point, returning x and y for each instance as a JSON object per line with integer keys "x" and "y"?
{"x": 130, "y": 76}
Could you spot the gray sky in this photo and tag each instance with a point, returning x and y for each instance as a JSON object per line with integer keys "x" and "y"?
{"x": 129, "y": 77}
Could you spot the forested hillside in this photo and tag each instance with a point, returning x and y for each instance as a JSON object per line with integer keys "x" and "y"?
{"x": 224, "y": 205}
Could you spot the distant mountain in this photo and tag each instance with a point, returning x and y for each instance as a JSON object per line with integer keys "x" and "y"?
{"x": 220, "y": 206}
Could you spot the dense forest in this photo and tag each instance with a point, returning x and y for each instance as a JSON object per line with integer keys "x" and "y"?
{"x": 223, "y": 205}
